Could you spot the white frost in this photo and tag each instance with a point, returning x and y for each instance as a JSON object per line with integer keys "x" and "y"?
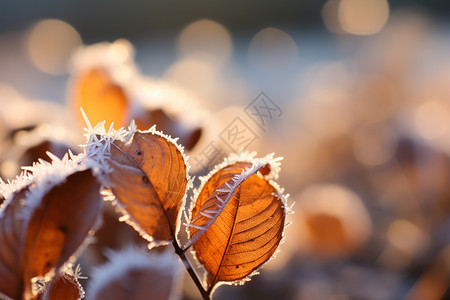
{"x": 257, "y": 163}
{"x": 244, "y": 156}
{"x": 98, "y": 150}
{"x": 133, "y": 260}
{"x": 43, "y": 176}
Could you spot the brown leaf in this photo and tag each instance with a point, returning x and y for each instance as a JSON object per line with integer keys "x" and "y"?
{"x": 149, "y": 181}
{"x": 11, "y": 229}
{"x": 112, "y": 234}
{"x": 63, "y": 286}
{"x": 189, "y": 136}
{"x": 133, "y": 275}
{"x": 59, "y": 224}
{"x": 237, "y": 223}
{"x": 100, "y": 98}
{"x": 38, "y": 151}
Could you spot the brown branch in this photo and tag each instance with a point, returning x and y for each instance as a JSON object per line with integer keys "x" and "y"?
{"x": 181, "y": 253}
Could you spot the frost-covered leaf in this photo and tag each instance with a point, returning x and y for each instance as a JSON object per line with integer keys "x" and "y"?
{"x": 100, "y": 97}
{"x": 63, "y": 286}
{"x": 134, "y": 275}
{"x": 147, "y": 174}
{"x": 48, "y": 213}
{"x": 60, "y": 223}
{"x": 12, "y": 223}
{"x": 238, "y": 219}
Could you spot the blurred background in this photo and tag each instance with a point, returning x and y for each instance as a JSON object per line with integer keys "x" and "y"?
{"x": 354, "y": 94}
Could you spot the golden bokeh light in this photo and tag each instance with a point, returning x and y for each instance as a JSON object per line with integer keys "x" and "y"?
{"x": 205, "y": 38}
{"x": 198, "y": 76}
{"x": 363, "y": 17}
{"x": 374, "y": 144}
{"x": 334, "y": 219}
{"x": 273, "y": 51}
{"x": 432, "y": 119}
{"x": 329, "y": 82}
{"x": 406, "y": 241}
{"x": 50, "y": 43}
{"x": 406, "y": 236}
{"x": 330, "y": 16}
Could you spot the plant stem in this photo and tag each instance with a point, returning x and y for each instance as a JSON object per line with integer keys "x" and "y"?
{"x": 187, "y": 265}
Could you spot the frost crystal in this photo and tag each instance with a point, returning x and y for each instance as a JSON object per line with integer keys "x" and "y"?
{"x": 224, "y": 193}
{"x": 98, "y": 150}
{"x": 43, "y": 176}
{"x": 98, "y": 145}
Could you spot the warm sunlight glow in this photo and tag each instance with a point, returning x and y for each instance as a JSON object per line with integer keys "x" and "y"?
{"x": 363, "y": 17}
{"x": 335, "y": 219}
{"x": 273, "y": 51}
{"x": 432, "y": 120}
{"x": 374, "y": 144}
{"x": 50, "y": 43}
{"x": 205, "y": 38}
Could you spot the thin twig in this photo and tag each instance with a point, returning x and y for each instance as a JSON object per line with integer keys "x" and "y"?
{"x": 181, "y": 253}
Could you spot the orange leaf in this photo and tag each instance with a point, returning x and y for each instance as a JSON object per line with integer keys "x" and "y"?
{"x": 63, "y": 286}
{"x": 100, "y": 98}
{"x": 238, "y": 219}
{"x": 59, "y": 225}
{"x": 48, "y": 213}
{"x": 148, "y": 178}
{"x": 134, "y": 275}
{"x": 12, "y": 223}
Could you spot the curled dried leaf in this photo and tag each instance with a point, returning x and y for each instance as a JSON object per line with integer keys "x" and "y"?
{"x": 47, "y": 214}
{"x": 147, "y": 175}
{"x": 134, "y": 275}
{"x": 59, "y": 225}
{"x": 237, "y": 223}
{"x": 100, "y": 97}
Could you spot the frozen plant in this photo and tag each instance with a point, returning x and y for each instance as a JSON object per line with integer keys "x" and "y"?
{"x": 233, "y": 224}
